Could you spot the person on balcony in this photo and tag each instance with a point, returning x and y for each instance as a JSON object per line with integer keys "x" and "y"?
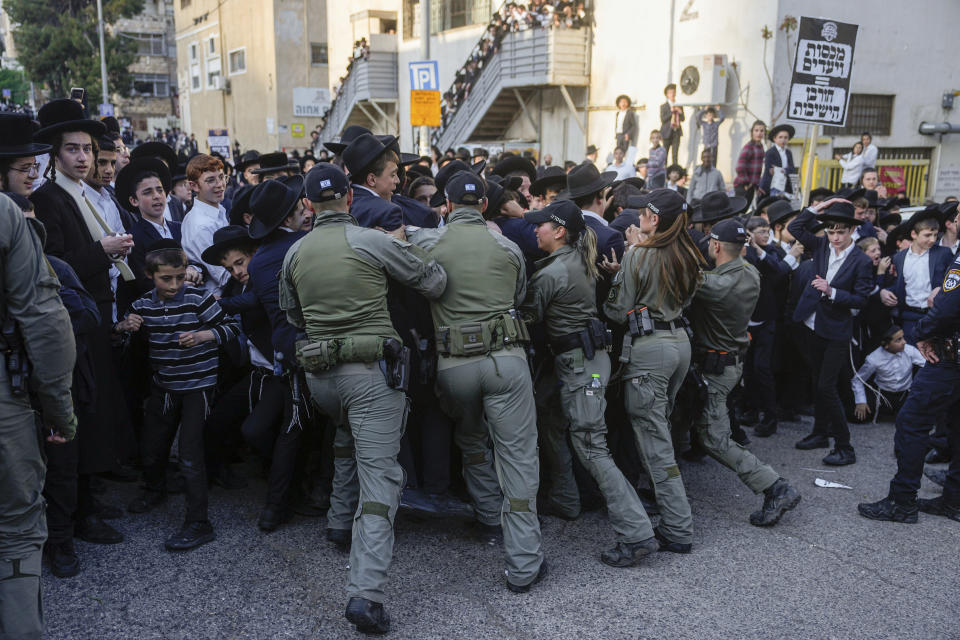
{"x": 852, "y": 164}
{"x": 626, "y": 124}
{"x": 671, "y": 117}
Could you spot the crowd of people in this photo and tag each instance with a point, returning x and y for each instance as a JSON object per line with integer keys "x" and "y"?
{"x": 366, "y": 324}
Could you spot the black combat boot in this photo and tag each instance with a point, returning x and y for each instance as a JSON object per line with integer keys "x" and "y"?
{"x": 627, "y": 554}
{"x": 369, "y": 617}
{"x": 767, "y": 426}
{"x": 889, "y": 511}
{"x": 777, "y": 500}
{"x": 524, "y": 588}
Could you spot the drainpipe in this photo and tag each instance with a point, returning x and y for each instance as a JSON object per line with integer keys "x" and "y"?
{"x": 933, "y": 128}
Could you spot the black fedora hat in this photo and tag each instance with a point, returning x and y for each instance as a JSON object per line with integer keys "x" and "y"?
{"x": 159, "y": 150}
{"x": 820, "y": 193}
{"x": 887, "y": 218}
{"x": 515, "y": 163}
{"x": 551, "y": 178}
{"x": 248, "y": 158}
{"x": 717, "y": 205}
{"x": 901, "y": 231}
{"x": 349, "y": 134}
{"x": 840, "y": 211}
{"x": 271, "y": 202}
{"x": 363, "y": 151}
{"x": 125, "y": 184}
{"x": 111, "y": 123}
{"x": 586, "y": 179}
{"x": 851, "y": 193}
{"x": 240, "y": 204}
{"x": 224, "y": 239}
{"x": 16, "y": 137}
{"x": 274, "y": 163}
{"x": 635, "y": 181}
{"x": 179, "y": 174}
{"x": 781, "y": 127}
{"x": 780, "y": 210}
{"x": 949, "y": 210}
{"x": 497, "y": 188}
{"x": 58, "y": 116}
{"x": 765, "y": 202}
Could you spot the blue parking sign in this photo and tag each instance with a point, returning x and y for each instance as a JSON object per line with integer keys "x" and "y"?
{"x": 424, "y": 76}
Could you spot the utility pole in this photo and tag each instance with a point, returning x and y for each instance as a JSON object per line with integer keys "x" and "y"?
{"x": 424, "y": 147}
{"x": 103, "y": 55}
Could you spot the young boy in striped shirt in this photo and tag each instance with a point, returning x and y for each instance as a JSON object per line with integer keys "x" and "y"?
{"x": 183, "y": 326}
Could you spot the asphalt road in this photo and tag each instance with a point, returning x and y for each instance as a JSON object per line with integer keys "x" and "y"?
{"x": 823, "y": 572}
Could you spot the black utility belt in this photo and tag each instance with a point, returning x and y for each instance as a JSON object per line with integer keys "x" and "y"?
{"x": 714, "y": 362}
{"x": 918, "y": 310}
{"x": 947, "y": 349}
{"x": 641, "y": 323}
{"x": 595, "y": 337}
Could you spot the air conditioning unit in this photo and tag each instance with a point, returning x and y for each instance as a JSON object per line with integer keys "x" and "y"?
{"x": 703, "y": 80}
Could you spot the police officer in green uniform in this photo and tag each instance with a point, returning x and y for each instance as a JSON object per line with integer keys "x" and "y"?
{"x": 483, "y": 380}
{"x": 657, "y": 279}
{"x": 563, "y": 293}
{"x": 720, "y": 314}
{"x": 333, "y": 285}
{"x": 36, "y": 327}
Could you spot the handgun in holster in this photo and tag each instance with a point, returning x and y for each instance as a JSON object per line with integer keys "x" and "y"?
{"x": 701, "y": 385}
{"x": 18, "y": 367}
{"x": 396, "y": 364}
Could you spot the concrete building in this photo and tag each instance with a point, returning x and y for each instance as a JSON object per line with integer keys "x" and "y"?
{"x": 257, "y": 68}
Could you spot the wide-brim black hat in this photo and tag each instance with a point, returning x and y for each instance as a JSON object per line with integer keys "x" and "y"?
{"x": 889, "y": 218}
{"x": 156, "y": 150}
{"x": 111, "y": 123}
{"x": 274, "y": 163}
{"x": 852, "y": 194}
{"x": 240, "y": 204}
{"x": 179, "y": 174}
{"x": 586, "y": 179}
{"x": 419, "y": 171}
{"x": 767, "y": 201}
{"x": 901, "y": 231}
{"x": 349, "y": 134}
{"x": 840, "y": 212}
{"x": 224, "y": 239}
{"x": 552, "y": 177}
{"x": 59, "y": 116}
{"x": 271, "y": 202}
{"x": 781, "y": 127}
{"x": 515, "y": 163}
{"x": 16, "y": 137}
{"x": 635, "y": 181}
{"x": 125, "y": 183}
{"x": 780, "y": 210}
{"x": 364, "y": 150}
{"x": 717, "y": 205}
{"x": 496, "y": 189}
{"x": 248, "y": 158}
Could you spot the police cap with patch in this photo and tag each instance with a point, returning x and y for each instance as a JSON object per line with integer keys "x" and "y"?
{"x": 666, "y": 203}
{"x": 729, "y": 230}
{"x": 465, "y": 187}
{"x": 562, "y": 212}
{"x": 325, "y": 182}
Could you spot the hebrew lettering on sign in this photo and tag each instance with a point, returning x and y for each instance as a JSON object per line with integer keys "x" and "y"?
{"x": 825, "y": 104}
{"x": 824, "y": 59}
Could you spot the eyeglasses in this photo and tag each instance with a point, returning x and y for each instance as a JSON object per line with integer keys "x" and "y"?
{"x": 30, "y": 168}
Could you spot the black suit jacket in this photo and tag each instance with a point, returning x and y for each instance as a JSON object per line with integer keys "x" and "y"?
{"x": 630, "y": 127}
{"x": 666, "y": 117}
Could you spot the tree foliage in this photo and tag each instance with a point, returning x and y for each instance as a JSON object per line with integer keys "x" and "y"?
{"x": 57, "y": 43}
{"x": 15, "y": 82}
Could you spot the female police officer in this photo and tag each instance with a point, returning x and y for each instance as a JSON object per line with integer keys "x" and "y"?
{"x": 656, "y": 280}
{"x": 563, "y": 293}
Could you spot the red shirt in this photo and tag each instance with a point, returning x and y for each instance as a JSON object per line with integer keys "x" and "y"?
{"x": 749, "y": 165}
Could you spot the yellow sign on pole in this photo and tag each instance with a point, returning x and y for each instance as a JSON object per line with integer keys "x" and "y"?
{"x": 297, "y": 130}
{"x": 425, "y": 109}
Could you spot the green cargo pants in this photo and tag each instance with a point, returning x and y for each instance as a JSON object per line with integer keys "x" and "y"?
{"x": 370, "y": 418}
{"x": 563, "y": 493}
{"x": 491, "y": 398}
{"x": 658, "y": 364}
{"x": 584, "y": 407}
{"x": 713, "y": 428}
{"x": 23, "y": 525}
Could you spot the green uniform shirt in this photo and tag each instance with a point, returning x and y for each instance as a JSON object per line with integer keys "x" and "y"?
{"x": 334, "y": 279}
{"x": 561, "y": 292}
{"x": 722, "y": 307}
{"x": 637, "y": 285}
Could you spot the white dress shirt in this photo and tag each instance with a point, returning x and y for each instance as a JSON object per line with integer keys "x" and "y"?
{"x": 197, "y": 235}
{"x": 162, "y": 229}
{"x": 834, "y": 262}
{"x": 591, "y": 214}
{"x": 621, "y": 116}
{"x": 894, "y": 371}
{"x": 791, "y": 261}
{"x": 783, "y": 155}
{"x": 916, "y": 278}
{"x": 870, "y": 156}
{"x": 953, "y": 247}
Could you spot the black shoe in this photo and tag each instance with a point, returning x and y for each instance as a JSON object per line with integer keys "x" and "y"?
{"x": 739, "y": 436}
{"x": 368, "y": 616}
{"x": 750, "y": 418}
{"x": 889, "y": 511}
{"x": 490, "y": 534}
{"x": 840, "y": 457}
{"x": 938, "y": 476}
{"x": 62, "y": 558}
{"x": 190, "y": 536}
{"x": 813, "y": 441}
{"x": 272, "y": 517}
{"x": 524, "y": 588}
{"x": 777, "y": 500}
{"x": 767, "y": 426}
{"x": 694, "y": 454}
{"x": 106, "y": 511}
{"x": 935, "y": 456}
{"x": 229, "y": 479}
{"x": 627, "y": 554}
{"x": 310, "y": 506}
{"x": 787, "y": 415}
{"x": 938, "y": 507}
{"x": 342, "y": 538}
{"x": 122, "y": 473}
{"x": 146, "y": 500}
{"x": 94, "y": 530}
{"x": 668, "y": 545}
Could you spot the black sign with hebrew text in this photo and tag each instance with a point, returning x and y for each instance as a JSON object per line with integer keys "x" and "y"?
{"x": 820, "y": 87}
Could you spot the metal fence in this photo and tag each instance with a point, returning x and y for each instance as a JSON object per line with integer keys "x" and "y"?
{"x": 826, "y": 173}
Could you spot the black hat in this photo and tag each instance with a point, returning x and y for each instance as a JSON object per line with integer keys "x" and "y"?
{"x": 931, "y": 212}
{"x": 781, "y": 127}
{"x": 551, "y": 178}
{"x": 227, "y": 238}
{"x": 562, "y": 212}
{"x": 729, "y": 231}
{"x": 889, "y": 218}
{"x": 767, "y": 201}
{"x": 58, "y": 116}
{"x": 248, "y": 158}
{"x": 362, "y": 152}
{"x": 240, "y": 205}
{"x": 156, "y": 150}
{"x": 591, "y": 149}
{"x": 496, "y": 189}
{"x": 820, "y": 193}
{"x": 179, "y": 174}
{"x": 780, "y": 210}
{"x": 666, "y": 203}
{"x": 852, "y": 194}
{"x": 111, "y": 123}
{"x": 16, "y": 137}
{"x": 586, "y": 179}
{"x": 462, "y": 153}
{"x": 620, "y": 97}
{"x": 163, "y": 244}
{"x": 480, "y": 151}
{"x": 895, "y": 235}
{"x": 635, "y": 181}
{"x": 349, "y": 134}
{"x": 125, "y": 184}
{"x": 840, "y": 211}
{"x": 326, "y": 182}
{"x": 717, "y": 205}
{"x": 872, "y": 197}
{"x": 515, "y": 163}
{"x": 625, "y": 219}
{"x": 895, "y": 201}
{"x": 419, "y": 171}
{"x": 948, "y": 210}
{"x": 274, "y": 163}
{"x": 465, "y": 187}
{"x": 446, "y": 172}
{"x": 271, "y": 202}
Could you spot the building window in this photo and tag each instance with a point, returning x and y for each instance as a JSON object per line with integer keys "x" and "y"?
{"x": 238, "y": 61}
{"x": 318, "y": 53}
{"x": 153, "y": 85}
{"x": 149, "y": 44}
{"x": 213, "y": 73}
{"x": 450, "y": 14}
{"x": 195, "y": 76}
{"x": 866, "y": 112}
{"x": 184, "y": 4}
{"x": 212, "y": 46}
{"x": 193, "y": 51}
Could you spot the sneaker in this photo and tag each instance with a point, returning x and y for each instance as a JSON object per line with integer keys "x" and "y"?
{"x": 840, "y": 457}
{"x": 146, "y": 500}
{"x": 889, "y": 511}
{"x": 777, "y": 500}
{"x": 938, "y": 507}
{"x": 524, "y": 588}
{"x": 369, "y": 617}
{"x": 666, "y": 544}
{"x": 627, "y": 554}
{"x": 191, "y": 536}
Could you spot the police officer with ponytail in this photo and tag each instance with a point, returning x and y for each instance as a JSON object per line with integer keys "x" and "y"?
{"x": 563, "y": 294}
